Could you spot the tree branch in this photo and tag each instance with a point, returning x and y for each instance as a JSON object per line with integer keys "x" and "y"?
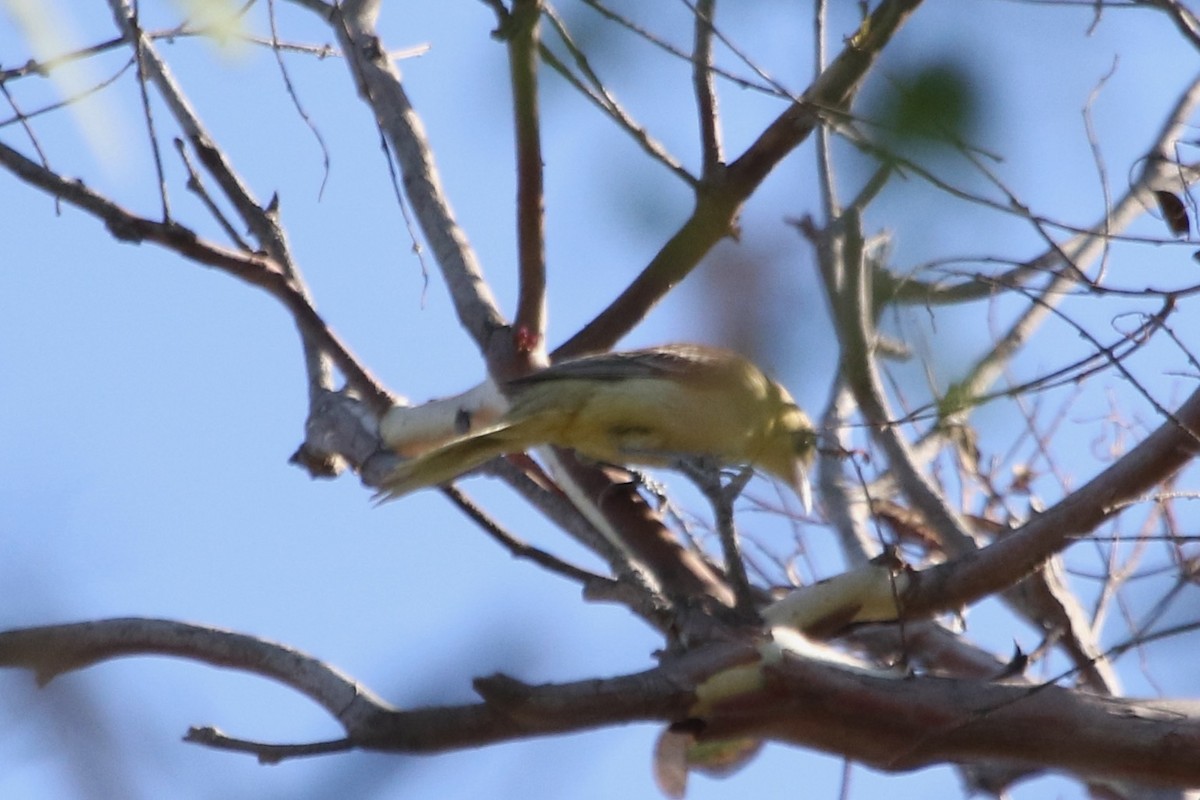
{"x": 718, "y": 202}
{"x": 379, "y": 84}
{"x": 521, "y": 31}
{"x": 886, "y": 720}
{"x": 975, "y": 575}
{"x": 256, "y": 270}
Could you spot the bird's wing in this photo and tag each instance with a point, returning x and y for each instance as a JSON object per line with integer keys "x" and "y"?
{"x": 659, "y": 362}
{"x": 447, "y": 462}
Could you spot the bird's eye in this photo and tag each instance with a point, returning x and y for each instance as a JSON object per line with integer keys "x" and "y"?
{"x": 804, "y": 441}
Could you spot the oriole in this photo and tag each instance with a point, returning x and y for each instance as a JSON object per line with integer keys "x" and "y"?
{"x": 651, "y": 407}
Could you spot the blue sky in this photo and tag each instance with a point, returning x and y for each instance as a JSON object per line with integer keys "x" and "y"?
{"x": 150, "y": 405}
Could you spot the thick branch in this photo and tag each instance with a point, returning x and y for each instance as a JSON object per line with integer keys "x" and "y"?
{"x": 902, "y": 724}
{"x": 887, "y": 720}
{"x": 55, "y": 649}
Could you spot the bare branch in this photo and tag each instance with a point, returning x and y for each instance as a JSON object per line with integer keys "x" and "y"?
{"x": 789, "y": 698}
{"x": 521, "y": 30}
{"x": 975, "y": 575}
{"x": 520, "y": 549}
{"x": 702, "y": 83}
{"x": 1184, "y": 18}
{"x": 591, "y": 87}
{"x": 719, "y": 203}
{"x": 277, "y": 51}
{"x": 52, "y": 650}
{"x": 379, "y": 84}
{"x": 252, "y": 268}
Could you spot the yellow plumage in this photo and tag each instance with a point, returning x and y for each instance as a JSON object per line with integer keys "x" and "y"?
{"x": 648, "y": 407}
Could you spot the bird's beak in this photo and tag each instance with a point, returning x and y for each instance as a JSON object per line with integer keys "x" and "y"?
{"x": 803, "y": 486}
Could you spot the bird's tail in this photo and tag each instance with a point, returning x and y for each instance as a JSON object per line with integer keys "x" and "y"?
{"x": 447, "y": 462}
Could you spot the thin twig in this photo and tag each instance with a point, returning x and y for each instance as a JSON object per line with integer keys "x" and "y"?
{"x": 134, "y": 32}
{"x": 252, "y": 268}
{"x": 277, "y": 51}
{"x": 33, "y": 139}
{"x": 702, "y": 85}
{"x": 522, "y": 32}
{"x": 196, "y": 185}
{"x": 600, "y": 96}
{"x": 672, "y": 50}
{"x": 1098, "y": 158}
{"x": 522, "y": 549}
{"x": 379, "y": 84}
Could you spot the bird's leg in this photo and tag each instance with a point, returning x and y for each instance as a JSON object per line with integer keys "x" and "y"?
{"x": 651, "y": 486}
{"x": 638, "y": 479}
{"x": 706, "y": 474}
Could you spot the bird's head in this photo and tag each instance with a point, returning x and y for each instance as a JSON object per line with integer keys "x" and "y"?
{"x": 803, "y": 435}
{"x": 791, "y": 448}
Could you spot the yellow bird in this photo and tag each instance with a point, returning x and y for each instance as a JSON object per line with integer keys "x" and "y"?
{"x": 651, "y": 407}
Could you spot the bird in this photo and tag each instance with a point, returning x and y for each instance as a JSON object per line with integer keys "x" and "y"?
{"x": 652, "y": 407}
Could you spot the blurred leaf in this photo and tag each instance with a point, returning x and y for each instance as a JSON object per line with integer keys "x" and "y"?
{"x": 934, "y": 101}
{"x": 219, "y": 20}
{"x": 50, "y": 34}
{"x": 670, "y": 762}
